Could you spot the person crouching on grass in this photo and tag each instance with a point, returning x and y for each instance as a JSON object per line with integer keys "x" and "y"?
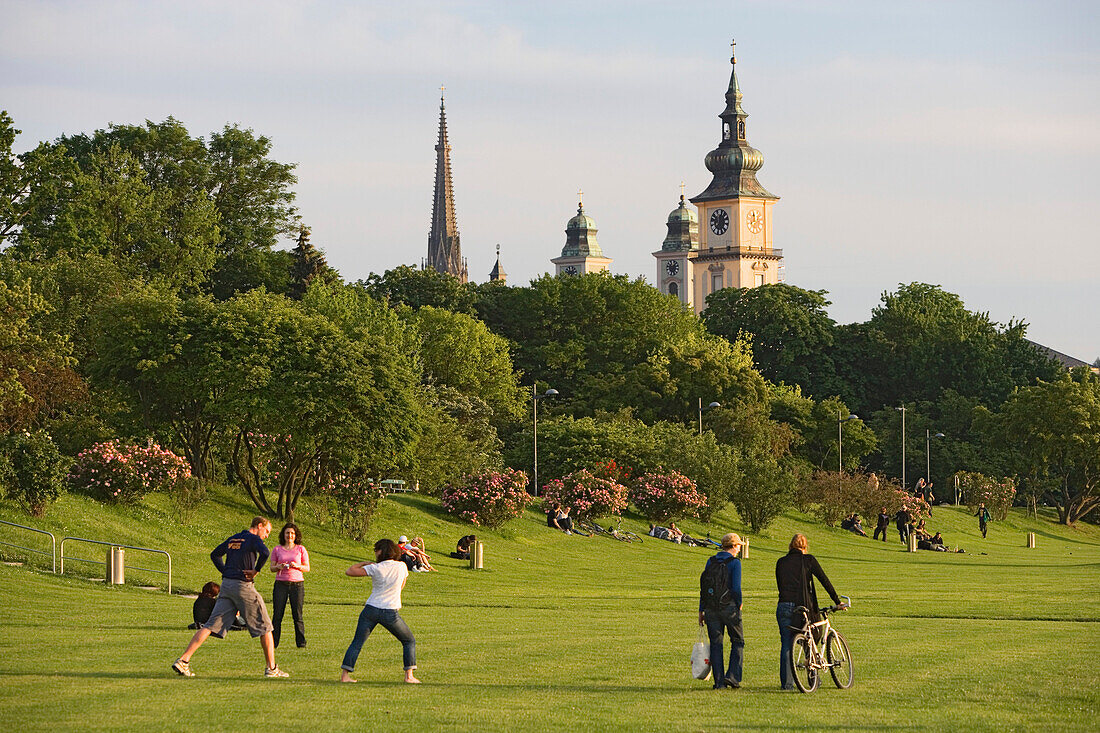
{"x": 388, "y": 575}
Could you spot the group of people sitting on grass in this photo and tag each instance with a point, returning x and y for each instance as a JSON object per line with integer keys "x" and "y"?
{"x": 854, "y": 524}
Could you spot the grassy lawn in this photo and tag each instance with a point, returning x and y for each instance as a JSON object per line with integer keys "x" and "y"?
{"x": 557, "y": 632}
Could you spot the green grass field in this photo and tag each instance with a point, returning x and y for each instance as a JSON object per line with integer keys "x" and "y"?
{"x": 557, "y": 632}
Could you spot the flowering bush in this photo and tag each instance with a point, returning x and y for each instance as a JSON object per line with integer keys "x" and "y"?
{"x": 488, "y": 499}
{"x": 996, "y": 495}
{"x": 32, "y": 470}
{"x": 119, "y": 473}
{"x": 590, "y": 496}
{"x": 356, "y": 499}
{"x": 664, "y": 496}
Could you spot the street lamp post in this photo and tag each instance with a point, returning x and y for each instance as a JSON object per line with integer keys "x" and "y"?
{"x": 702, "y": 409}
{"x": 928, "y": 453}
{"x": 902, "y": 411}
{"x": 535, "y": 397}
{"x": 840, "y": 420}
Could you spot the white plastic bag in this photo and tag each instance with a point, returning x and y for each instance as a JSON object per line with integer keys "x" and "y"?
{"x": 700, "y": 657}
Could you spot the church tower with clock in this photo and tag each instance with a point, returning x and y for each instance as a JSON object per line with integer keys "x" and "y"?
{"x": 581, "y": 253}
{"x": 734, "y": 249}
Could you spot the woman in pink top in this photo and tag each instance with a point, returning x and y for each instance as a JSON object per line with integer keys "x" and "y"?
{"x": 289, "y": 560}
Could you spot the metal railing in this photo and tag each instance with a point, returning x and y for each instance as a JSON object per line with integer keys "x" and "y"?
{"x": 62, "y": 558}
{"x": 53, "y": 543}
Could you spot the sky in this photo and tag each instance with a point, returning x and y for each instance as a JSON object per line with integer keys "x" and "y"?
{"x": 953, "y": 143}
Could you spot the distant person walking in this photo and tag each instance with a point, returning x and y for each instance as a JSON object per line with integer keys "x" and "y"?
{"x": 720, "y": 610}
{"x": 883, "y": 524}
{"x": 245, "y": 554}
{"x": 902, "y": 520}
{"x": 794, "y": 574}
{"x": 388, "y": 575}
{"x": 983, "y": 519}
{"x": 289, "y": 560}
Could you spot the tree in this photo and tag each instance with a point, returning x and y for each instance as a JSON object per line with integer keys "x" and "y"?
{"x": 417, "y": 288}
{"x": 330, "y": 389}
{"x": 36, "y": 376}
{"x": 922, "y": 340}
{"x": 309, "y": 265}
{"x": 789, "y": 329}
{"x": 1053, "y": 432}
{"x": 607, "y": 342}
{"x": 816, "y": 424}
{"x": 459, "y": 351}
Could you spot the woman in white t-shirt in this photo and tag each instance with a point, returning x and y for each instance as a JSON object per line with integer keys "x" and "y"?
{"x": 388, "y": 575}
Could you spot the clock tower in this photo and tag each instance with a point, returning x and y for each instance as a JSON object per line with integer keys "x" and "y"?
{"x": 735, "y": 239}
{"x": 581, "y": 253}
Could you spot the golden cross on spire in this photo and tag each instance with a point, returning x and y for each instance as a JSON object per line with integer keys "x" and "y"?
{"x": 733, "y": 49}
{"x": 441, "y": 88}
{"x": 681, "y": 189}
{"x": 580, "y": 199}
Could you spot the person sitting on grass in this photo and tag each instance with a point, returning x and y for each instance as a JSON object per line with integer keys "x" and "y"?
{"x": 204, "y": 605}
{"x": 462, "y": 549}
{"x": 413, "y": 554}
{"x": 854, "y": 524}
{"x": 676, "y": 532}
{"x": 559, "y": 519}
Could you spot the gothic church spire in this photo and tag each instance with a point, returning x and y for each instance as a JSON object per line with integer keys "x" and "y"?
{"x": 444, "y": 250}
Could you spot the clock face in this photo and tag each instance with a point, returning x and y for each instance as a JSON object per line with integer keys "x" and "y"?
{"x": 570, "y": 270}
{"x": 672, "y": 267}
{"x": 719, "y": 221}
{"x": 755, "y": 222}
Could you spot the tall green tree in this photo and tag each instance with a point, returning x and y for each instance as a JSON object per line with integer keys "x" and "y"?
{"x": 789, "y": 328}
{"x": 415, "y": 288}
{"x": 607, "y": 342}
{"x": 1052, "y": 430}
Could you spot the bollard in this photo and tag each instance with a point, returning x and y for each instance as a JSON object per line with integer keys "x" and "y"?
{"x": 116, "y": 566}
{"x": 1031, "y": 540}
{"x": 477, "y": 556}
{"x": 744, "y": 554}
{"x": 912, "y": 542}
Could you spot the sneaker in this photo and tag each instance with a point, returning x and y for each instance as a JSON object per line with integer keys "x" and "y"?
{"x": 275, "y": 672}
{"x": 182, "y": 668}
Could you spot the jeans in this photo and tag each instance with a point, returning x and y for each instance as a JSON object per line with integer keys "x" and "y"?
{"x": 881, "y": 529}
{"x": 784, "y": 616}
{"x": 903, "y": 532}
{"x": 392, "y": 622}
{"x": 294, "y": 591}
{"x": 719, "y": 622}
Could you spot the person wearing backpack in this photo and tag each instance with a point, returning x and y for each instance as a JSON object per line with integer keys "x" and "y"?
{"x": 720, "y": 610}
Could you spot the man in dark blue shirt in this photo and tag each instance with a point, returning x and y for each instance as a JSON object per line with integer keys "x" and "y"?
{"x": 245, "y": 554}
{"x": 720, "y": 610}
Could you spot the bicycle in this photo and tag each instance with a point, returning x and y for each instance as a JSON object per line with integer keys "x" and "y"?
{"x": 809, "y": 659}
{"x": 587, "y": 528}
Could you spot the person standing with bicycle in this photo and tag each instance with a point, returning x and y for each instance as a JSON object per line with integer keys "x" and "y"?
{"x": 794, "y": 574}
{"x": 720, "y": 610}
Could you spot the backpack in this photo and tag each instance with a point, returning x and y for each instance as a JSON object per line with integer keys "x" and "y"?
{"x": 714, "y": 584}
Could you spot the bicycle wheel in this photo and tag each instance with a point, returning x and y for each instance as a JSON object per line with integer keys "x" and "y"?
{"x": 631, "y": 537}
{"x": 840, "y": 661}
{"x": 805, "y": 676}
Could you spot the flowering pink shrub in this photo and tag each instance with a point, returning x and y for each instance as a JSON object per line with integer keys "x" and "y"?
{"x": 664, "y": 496}
{"x": 119, "y": 473}
{"x": 488, "y": 499}
{"x": 590, "y": 496}
{"x": 997, "y": 496}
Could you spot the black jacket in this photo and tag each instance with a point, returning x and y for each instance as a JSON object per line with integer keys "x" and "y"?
{"x": 794, "y": 574}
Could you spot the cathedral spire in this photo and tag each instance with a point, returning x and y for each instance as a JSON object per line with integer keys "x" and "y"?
{"x": 444, "y": 250}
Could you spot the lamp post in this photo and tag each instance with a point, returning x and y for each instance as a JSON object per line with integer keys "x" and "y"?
{"x": 928, "y": 453}
{"x": 840, "y": 420}
{"x": 702, "y": 409}
{"x": 902, "y": 411}
{"x": 535, "y": 397}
